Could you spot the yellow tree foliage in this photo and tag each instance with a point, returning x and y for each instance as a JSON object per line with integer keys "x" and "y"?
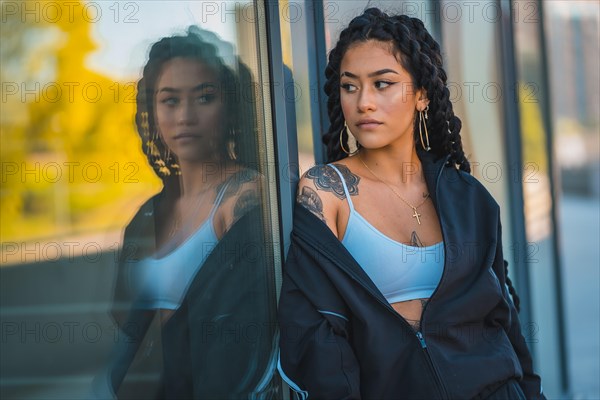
{"x": 71, "y": 158}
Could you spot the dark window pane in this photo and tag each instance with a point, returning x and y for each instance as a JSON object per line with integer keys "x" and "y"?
{"x": 140, "y": 242}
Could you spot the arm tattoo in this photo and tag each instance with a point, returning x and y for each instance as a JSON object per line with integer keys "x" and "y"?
{"x": 247, "y": 200}
{"x": 328, "y": 180}
{"x": 312, "y": 202}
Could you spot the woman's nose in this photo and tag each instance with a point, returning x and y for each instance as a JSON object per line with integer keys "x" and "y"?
{"x": 187, "y": 113}
{"x": 366, "y": 100}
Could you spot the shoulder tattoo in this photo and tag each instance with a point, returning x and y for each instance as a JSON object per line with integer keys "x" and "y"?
{"x": 328, "y": 180}
{"x": 247, "y": 200}
{"x": 312, "y": 202}
{"x": 235, "y": 182}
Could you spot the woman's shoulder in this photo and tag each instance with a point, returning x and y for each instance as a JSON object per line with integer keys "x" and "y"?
{"x": 241, "y": 193}
{"x": 241, "y": 184}
{"x": 321, "y": 190}
{"x": 240, "y": 177}
{"x": 330, "y": 178}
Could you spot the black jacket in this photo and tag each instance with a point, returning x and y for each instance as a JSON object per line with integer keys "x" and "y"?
{"x": 341, "y": 339}
{"x": 220, "y": 343}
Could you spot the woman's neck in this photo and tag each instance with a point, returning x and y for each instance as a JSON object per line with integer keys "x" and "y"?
{"x": 197, "y": 177}
{"x": 399, "y": 167}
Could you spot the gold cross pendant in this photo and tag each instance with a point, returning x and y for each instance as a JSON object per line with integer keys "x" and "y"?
{"x": 416, "y": 215}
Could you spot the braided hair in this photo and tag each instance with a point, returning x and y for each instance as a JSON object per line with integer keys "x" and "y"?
{"x": 236, "y": 88}
{"x": 420, "y": 55}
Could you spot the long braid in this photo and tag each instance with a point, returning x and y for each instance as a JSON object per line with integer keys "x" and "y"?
{"x": 334, "y": 109}
{"x": 511, "y": 288}
{"x": 434, "y": 80}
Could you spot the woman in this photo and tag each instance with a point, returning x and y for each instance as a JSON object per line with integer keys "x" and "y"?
{"x": 394, "y": 286}
{"x": 182, "y": 269}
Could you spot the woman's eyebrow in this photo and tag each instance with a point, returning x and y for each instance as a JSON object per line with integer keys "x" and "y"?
{"x": 205, "y": 85}
{"x": 197, "y": 88}
{"x": 372, "y": 74}
{"x": 167, "y": 89}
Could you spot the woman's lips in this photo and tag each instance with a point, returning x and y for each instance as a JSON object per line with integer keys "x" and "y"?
{"x": 368, "y": 123}
{"x": 186, "y": 136}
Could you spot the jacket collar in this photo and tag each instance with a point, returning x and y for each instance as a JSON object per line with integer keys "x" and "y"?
{"x": 432, "y": 169}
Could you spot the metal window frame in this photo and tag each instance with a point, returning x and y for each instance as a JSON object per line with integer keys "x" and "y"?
{"x": 514, "y": 156}
{"x": 286, "y": 142}
{"x": 317, "y": 64}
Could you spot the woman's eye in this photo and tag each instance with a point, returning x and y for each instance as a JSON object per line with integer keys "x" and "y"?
{"x": 207, "y": 98}
{"x": 383, "y": 84}
{"x": 348, "y": 87}
{"x": 170, "y": 101}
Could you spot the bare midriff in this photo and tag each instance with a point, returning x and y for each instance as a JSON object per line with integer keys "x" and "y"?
{"x": 411, "y": 311}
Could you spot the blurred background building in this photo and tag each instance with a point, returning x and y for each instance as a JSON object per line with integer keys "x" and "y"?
{"x": 524, "y": 78}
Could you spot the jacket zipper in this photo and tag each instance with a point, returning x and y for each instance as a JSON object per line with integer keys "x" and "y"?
{"x": 420, "y": 336}
{"x": 432, "y": 365}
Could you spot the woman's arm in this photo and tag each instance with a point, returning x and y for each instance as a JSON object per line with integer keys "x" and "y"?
{"x": 242, "y": 194}
{"x": 316, "y": 359}
{"x": 320, "y": 191}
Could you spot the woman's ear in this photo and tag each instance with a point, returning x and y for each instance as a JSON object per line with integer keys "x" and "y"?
{"x": 422, "y": 100}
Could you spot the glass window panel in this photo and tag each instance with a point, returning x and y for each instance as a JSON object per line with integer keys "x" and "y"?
{"x": 537, "y": 196}
{"x": 572, "y": 39}
{"x": 139, "y": 232}
{"x": 300, "y": 87}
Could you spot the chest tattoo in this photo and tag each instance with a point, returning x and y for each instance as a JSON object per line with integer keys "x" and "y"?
{"x": 415, "y": 241}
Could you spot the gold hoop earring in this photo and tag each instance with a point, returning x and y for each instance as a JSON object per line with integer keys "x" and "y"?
{"x": 423, "y": 123}
{"x": 349, "y": 152}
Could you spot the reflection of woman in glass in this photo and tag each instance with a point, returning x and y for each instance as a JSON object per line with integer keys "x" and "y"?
{"x": 395, "y": 286}
{"x": 193, "y": 255}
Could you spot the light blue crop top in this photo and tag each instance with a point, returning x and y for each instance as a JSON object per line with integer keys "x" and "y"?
{"x": 400, "y": 272}
{"x": 162, "y": 282}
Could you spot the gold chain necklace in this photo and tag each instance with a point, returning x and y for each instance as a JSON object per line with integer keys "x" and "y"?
{"x": 414, "y": 208}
